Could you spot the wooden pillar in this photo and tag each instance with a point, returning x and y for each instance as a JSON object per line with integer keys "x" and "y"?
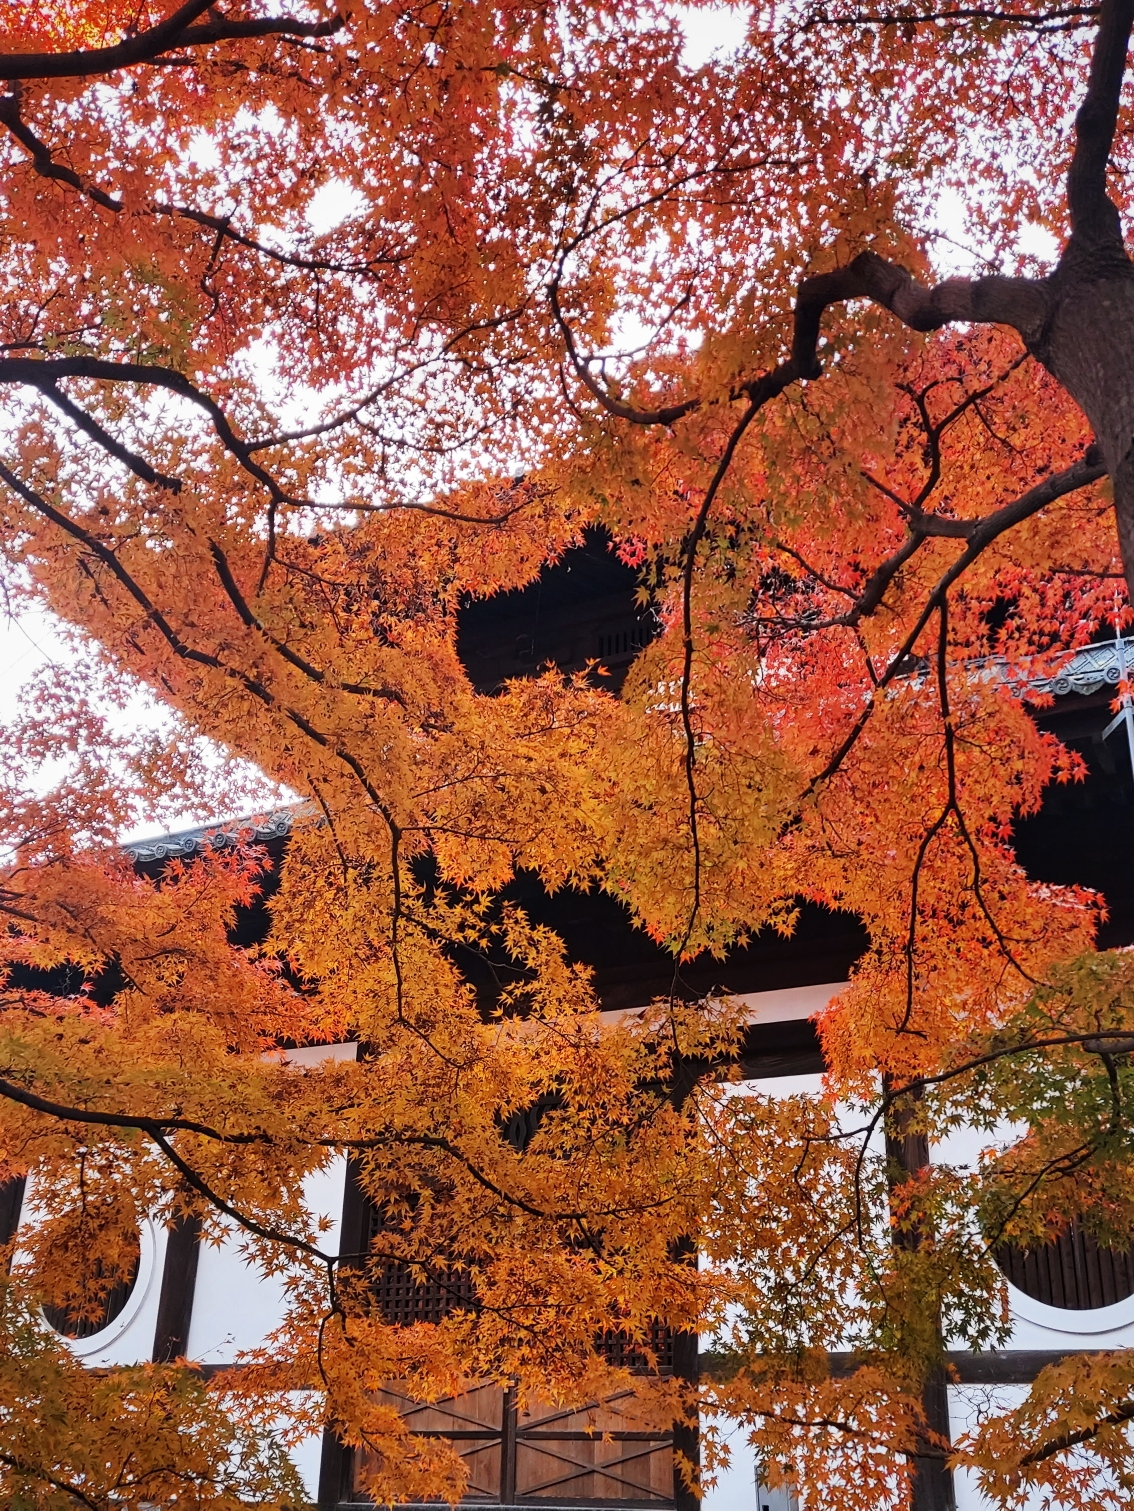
{"x": 335, "y": 1465}
{"x": 686, "y": 1345}
{"x": 686, "y": 1435}
{"x": 11, "y": 1206}
{"x": 178, "y": 1283}
{"x": 336, "y": 1460}
{"x": 907, "y": 1155}
{"x": 509, "y": 1422}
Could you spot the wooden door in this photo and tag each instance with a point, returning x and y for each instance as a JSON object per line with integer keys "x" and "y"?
{"x": 547, "y": 1455}
{"x": 593, "y": 1456}
{"x": 541, "y": 1456}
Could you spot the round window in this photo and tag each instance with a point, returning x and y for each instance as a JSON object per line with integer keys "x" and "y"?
{"x": 85, "y": 1323}
{"x": 1073, "y": 1273}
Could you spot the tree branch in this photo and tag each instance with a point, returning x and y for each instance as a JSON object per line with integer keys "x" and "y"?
{"x": 668, "y": 415}
{"x": 1022, "y": 303}
{"x": 1125, "y": 1413}
{"x": 187, "y": 652}
{"x": 46, "y": 166}
{"x": 979, "y": 533}
{"x": 1094, "y": 216}
{"x": 1088, "y": 470}
{"x": 1064, "y": 18}
{"x": 21, "y": 1466}
{"x": 135, "y": 1122}
{"x": 1019, "y": 302}
{"x": 45, "y": 373}
{"x": 102, "y": 437}
{"x": 249, "y": 620}
{"x": 176, "y": 31}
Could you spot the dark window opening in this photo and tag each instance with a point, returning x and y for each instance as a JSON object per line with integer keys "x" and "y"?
{"x": 402, "y": 1298}
{"x": 84, "y": 1322}
{"x": 1074, "y": 1273}
{"x": 585, "y": 607}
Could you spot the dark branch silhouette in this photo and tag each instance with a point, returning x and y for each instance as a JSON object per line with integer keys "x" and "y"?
{"x": 176, "y": 32}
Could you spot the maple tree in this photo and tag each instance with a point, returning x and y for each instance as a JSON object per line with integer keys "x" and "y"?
{"x": 317, "y": 323}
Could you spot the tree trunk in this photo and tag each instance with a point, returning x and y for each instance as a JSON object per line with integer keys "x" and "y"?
{"x": 1088, "y": 345}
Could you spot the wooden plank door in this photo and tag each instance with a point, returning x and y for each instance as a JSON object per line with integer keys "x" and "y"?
{"x": 546, "y": 1455}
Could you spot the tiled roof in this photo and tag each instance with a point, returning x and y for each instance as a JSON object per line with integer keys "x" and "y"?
{"x": 219, "y": 836}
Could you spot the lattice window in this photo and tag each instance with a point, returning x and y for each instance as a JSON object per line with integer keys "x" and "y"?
{"x": 67, "y": 1321}
{"x": 619, "y": 1349}
{"x": 401, "y": 1297}
{"x": 1074, "y": 1272}
{"x": 404, "y": 1299}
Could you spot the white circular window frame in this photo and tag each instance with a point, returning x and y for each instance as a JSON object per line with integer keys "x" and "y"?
{"x": 1097, "y": 1319}
{"x": 82, "y": 1348}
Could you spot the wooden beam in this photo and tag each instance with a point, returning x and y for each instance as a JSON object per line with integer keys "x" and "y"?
{"x": 178, "y": 1282}
{"x": 11, "y": 1206}
{"x": 1009, "y": 1366}
{"x": 336, "y": 1460}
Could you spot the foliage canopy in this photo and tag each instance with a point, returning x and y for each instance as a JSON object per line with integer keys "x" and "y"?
{"x": 317, "y": 323}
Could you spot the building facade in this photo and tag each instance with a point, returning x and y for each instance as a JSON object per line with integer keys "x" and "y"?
{"x": 207, "y": 1304}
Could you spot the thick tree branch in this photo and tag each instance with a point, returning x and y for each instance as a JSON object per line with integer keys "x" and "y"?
{"x": 110, "y": 560}
{"x": 11, "y": 1092}
{"x": 159, "y": 1129}
{"x": 1022, "y": 303}
{"x": 667, "y": 415}
{"x": 102, "y": 437}
{"x": 21, "y": 1466}
{"x": 1094, "y": 217}
{"x": 44, "y": 373}
{"x": 42, "y": 161}
{"x": 1019, "y": 302}
{"x": 176, "y": 31}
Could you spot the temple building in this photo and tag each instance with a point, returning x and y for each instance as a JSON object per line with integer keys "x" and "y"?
{"x": 206, "y": 1304}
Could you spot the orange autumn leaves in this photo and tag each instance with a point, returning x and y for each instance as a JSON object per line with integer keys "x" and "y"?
{"x": 297, "y": 330}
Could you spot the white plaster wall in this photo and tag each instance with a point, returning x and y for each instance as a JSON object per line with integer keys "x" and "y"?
{"x": 790, "y": 1003}
{"x": 235, "y": 1305}
{"x": 737, "y": 1488}
{"x": 1035, "y": 1326}
{"x": 968, "y": 1404}
{"x": 305, "y": 1456}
